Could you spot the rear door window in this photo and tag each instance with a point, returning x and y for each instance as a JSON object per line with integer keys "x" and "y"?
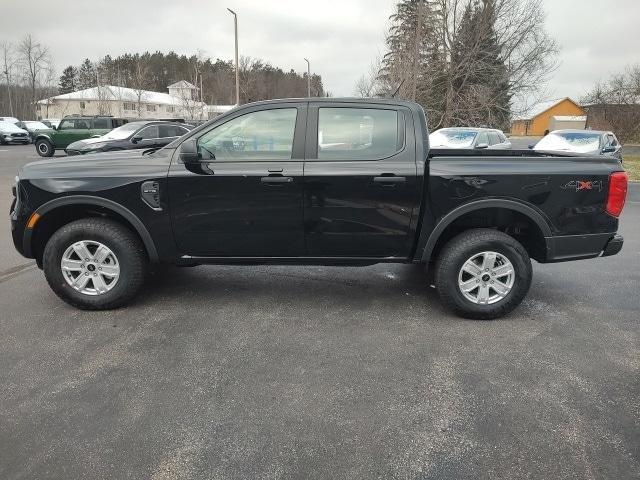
{"x": 494, "y": 138}
{"x": 171, "y": 131}
{"x": 482, "y": 138}
{"x": 357, "y": 133}
{"x": 101, "y": 123}
{"x": 148, "y": 132}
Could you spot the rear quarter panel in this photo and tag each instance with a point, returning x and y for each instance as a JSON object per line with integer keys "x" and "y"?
{"x": 569, "y": 192}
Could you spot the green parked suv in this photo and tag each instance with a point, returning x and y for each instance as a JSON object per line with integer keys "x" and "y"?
{"x": 72, "y": 129}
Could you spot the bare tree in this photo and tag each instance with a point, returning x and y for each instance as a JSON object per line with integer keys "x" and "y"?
{"x": 140, "y": 83}
{"x": 615, "y": 104}
{"x": 8, "y": 62}
{"x": 372, "y": 84}
{"x": 35, "y": 60}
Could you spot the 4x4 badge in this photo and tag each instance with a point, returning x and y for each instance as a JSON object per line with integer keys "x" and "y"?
{"x": 578, "y": 185}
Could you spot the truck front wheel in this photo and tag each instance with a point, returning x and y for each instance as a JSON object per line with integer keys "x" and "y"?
{"x": 483, "y": 274}
{"x": 44, "y": 148}
{"x": 94, "y": 264}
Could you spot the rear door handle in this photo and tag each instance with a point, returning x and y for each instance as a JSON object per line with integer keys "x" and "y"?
{"x": 278, "y": 180}
{"x": 390, "y": 180}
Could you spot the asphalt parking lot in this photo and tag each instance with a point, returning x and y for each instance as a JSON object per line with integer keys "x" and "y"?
{"x": 320, "y": 372}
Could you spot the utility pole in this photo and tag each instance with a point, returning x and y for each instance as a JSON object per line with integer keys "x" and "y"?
{"x": 308, "y": 78}
{"x": 235, "y": 26}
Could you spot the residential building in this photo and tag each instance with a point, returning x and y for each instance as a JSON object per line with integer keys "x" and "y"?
{"x": 539, "y": 118}
{"x": 181, "y": 101}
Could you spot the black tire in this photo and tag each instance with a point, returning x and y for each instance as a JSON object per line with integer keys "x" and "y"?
{"x": 464, "y": 246}
{"x": 120, "y": 240}
{"x": 44, "y": 148}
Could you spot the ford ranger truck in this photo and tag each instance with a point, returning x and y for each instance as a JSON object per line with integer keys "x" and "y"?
{"x": 316, "y": 182}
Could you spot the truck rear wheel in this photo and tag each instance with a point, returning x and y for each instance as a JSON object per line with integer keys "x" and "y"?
{"x": 44, "y": 148}
{"x": 483, "y": 274}
{"x": 94, "y": 264}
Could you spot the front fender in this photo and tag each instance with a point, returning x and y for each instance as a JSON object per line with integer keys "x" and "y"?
{"x": 43, "y": 136}
{"x": 127, "y": 214}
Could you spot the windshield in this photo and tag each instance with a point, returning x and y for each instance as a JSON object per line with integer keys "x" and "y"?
{"x": 452, "y": 138}
{"x": 122, "y": 132}
{"x": 580, "y": 142}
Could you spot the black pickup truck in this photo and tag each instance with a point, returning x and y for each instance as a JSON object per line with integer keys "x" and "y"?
{"x": 316, "y": 181}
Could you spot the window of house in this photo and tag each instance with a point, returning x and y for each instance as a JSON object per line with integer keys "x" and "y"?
{"x": 82, "y": 105}
{"x": 170, "y": 109}
{"x": 357, "y": 133}
{"x": 266, "y": 134}
{"x": 129, "y": 106}
{"x": 151, "y": 108}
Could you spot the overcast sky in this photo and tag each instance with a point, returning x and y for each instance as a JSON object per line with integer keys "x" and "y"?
{"x": 340, "y": 37}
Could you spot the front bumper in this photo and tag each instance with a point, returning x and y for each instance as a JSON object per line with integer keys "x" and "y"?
{"x": 578, "y": 247}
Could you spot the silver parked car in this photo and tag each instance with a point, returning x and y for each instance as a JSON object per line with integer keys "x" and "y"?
{"x": 585, "y": 142}
{"x": 469, "y": 138}
{"x": 10, "y": 133}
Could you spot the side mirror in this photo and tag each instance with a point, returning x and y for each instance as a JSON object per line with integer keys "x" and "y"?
{"x": 531, "y": 146}
{"x": 136, "y": 139}
{"x": 189, "y": 152}
{"x": 482, "y": 145}
{"x": 609, "y": 149}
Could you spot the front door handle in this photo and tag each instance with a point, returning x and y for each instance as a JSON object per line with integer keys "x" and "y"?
{"x": 276, "y": 180}
{"x": 389, "y": 180}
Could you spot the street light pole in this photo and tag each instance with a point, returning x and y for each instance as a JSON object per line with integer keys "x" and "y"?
{"x": 308, "y": 78}
{"x": 235, "y": 26}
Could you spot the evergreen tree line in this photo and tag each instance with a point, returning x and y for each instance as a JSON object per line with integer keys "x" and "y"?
{"x": 155, "y": 71}
{"x": 467, "y": 62}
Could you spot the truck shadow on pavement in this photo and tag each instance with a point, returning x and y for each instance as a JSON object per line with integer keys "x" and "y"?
{"x": 384, "y": 286}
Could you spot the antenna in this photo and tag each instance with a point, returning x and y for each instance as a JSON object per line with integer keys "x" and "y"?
{"x": 398, "y": 89}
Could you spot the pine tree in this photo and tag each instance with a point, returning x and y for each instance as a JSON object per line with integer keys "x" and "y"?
{"x": 86, "y": 75}
{"x": 414, "y": 57}
{"x": 480, "y": 81}
{"x": 68, "y": 80}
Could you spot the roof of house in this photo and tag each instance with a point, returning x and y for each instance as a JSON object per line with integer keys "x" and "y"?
{"x": 111, "y": 92}
{"x": 540, "y": 107}
{"x": 183, "y": 84}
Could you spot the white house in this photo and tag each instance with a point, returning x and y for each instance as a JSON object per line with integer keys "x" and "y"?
{"x": 181, "y": 102}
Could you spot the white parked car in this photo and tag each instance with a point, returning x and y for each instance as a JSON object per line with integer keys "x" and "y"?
{"x": 9, "y": 119}
{"x": 469, "y": 138}
{"x": 10, "y": 133}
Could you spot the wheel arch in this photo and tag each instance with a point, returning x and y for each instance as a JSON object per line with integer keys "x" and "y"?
{"x": 542, "y": 227}
{"x": 44, "y": 136}
{"x": 80, "y": 203}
